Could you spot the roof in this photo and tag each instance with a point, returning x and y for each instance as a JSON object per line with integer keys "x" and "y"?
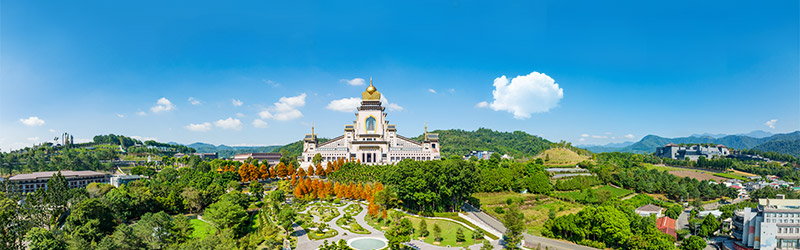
{"x": 48, "y": 174}
{"x": 649, "y": 208}
{"x": 258, "y": 156}
{"x": 666, "y": 225}
{"x": 671, "y": 145}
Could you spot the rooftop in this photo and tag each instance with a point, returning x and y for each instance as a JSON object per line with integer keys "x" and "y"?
{"x": 47, "y": 175}
{"x": 649, "y": 208}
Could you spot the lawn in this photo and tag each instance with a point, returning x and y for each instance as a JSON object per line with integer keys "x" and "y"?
{"x": 351, "y": 225}
{"x": 448, "y": 235}
{"x": 201, "y": 228}
{"x": 534, "y": 207}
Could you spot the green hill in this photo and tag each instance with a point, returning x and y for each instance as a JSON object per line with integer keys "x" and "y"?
{"x": 224, "y": 151}
{"x": 789, "y": 147}
{"x": 517, "y": 144}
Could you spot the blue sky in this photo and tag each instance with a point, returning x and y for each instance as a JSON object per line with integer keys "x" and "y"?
{"x": 622, "y": 70}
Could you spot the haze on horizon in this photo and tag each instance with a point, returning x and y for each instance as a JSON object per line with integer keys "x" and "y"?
{"x": 262, "y": 73}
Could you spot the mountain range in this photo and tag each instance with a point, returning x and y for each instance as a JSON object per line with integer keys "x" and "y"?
{"x": 649, "y": 143}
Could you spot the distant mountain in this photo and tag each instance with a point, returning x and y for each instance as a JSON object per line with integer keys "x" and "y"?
{"x": 789, "y": 147}
{"x": 225, "y": 151}
{"x": 754, "y": 134}
{"x": 611, "y": 147}
{"x": 649, "y": 143}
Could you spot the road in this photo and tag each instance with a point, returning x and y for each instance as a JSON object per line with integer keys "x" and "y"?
{"x": 485, "y": 220}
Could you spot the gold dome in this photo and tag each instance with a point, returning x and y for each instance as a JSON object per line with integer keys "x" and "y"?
{"x": 371, "y": 94}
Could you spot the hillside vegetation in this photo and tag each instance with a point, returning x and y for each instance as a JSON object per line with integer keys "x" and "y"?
{"x": 517, "y": 144}
{"x": 224, "y": 151}
{"x": 790, "y": 147}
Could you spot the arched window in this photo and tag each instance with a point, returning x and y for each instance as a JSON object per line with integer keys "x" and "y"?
{"x": 370, "y": 124}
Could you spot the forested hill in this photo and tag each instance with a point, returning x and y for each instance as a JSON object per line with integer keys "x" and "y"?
{"x": 789, "y": 147}
{"x": 517, "y": 144}
{"x": 649, "y": 143}
{"x": 224, "y": 151}
{"x": 460, "y": 142}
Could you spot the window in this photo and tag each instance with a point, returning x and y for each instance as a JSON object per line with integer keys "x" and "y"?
{"x": 370, "y": 122}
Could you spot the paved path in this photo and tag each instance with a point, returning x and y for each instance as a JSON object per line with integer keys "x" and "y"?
{"x": 530, "y": 240}
{"x": 303, "y": 242}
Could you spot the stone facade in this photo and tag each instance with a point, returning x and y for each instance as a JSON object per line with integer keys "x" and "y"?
{"x": 692, "y": 152}
{"x": 370, "y": 139}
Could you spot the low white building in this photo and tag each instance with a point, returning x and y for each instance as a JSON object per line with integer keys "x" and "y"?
{"x": 648, "y": 210}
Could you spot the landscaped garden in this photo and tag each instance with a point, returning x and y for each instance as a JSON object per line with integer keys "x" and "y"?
{"x": 535, "y": 208}
{"x": 325, "y": 212}
{"x": 446, "y": 235}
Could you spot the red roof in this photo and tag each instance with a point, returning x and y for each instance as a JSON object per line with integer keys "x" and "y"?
{"x": 666, "y": 225}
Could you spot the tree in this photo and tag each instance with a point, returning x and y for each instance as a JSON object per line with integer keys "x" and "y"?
{"x": 192, "y": 199}
{"x": 709, "y": 226}
{"x": 321, "y": 170}
{"x": 477, "y": 234}
{"x": 459, "y": 235}
{"x": 693, "y": 243}
{"x": 310, "y": 171}
{"x": 487, "y": 245}
{"x": 281, "y": 170}
{"x": 423, "y": 228}
{"x": 227, "y": 215}
{"x": 43, "y": 239}
{"x": 513, "y": 221}
{"x": 317, "y": 159}
{"x": 257, "y": 189}
{"x": 674, "y": 211}
{"x": 437, "y": 233}
{"x": 90, "y": 221}
{"x": 286, "y": 218}
{"x": 399, "y": 233}
{"x": 57, "y": 196}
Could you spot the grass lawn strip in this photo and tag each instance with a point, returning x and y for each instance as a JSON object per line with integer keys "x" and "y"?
{"x": 201, "y": 229}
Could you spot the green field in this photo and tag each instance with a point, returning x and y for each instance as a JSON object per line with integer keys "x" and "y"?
{"x": 201, "y": 228}
{"x": 448, "y": 235}
{"x": 579, "y": 195}
{"x": 535, "y": 208}
{"x": 731, "y": 176}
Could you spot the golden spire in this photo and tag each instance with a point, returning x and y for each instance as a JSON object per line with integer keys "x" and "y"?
{"x": 426, "y": 130}
{"x": 371, "y": 94}
{"x": 312, "y": 128}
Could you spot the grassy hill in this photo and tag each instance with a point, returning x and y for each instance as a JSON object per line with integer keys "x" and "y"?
{"x": 561, "y": 156}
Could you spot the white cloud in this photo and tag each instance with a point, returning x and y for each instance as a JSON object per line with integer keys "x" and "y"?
{"x": 194, "y": 101}
{"x": 285, "y": 109}
{"x": 608, "y": 133}
{"x": 258, "y": 123}
{"x": 237, "y": 103}
{"x": 120, "y": 115}
{"x": 141, "y": 113}
{"x": 32, "y": 121}
{"x": 771, "y": 123}
{"x": 629, "y": 136}
{"x": 584, "y": 135}
{"x": 524, "y": 95}
{"x": 452, "y": 90}
{"x": 344, "y": 104}
{"x": 83, "y": 140}
{"x": 229, "y": 123}
{"x": 272, "y": 83}
{"x": 394, "y": 107}
{"x": 390, "y": 106}
{"x": 239, "y": 115}
{"x": 162, "y": 105}
{"x": 201, "y": 127}
{"x": 600, "y": 137}
{"x": 482, "y": 104}
{"x": 354, "y": 81}
{"x": 52, "y": 130}
{"x": 582, "y": 139}
{"x": 432, "y": 91}
{"x": 33, "y": 138}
